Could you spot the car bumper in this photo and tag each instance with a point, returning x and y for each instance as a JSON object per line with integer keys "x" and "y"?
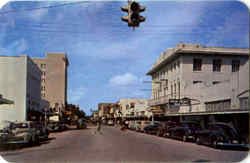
{"x": 16, "y": 142}
{"x": 233, "y": 145}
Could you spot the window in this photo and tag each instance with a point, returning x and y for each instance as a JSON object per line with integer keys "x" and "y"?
{"x": 197, "y": 63}
{"x": 43, "y": 94}
{"x": 196, "y": 82}
{"x": 235, "y": 65}
{"x": 43, "y": 65}
{"x": 43, "y": 73}
{"x": 215, "y": 82}
{"x": 216, "y": 65}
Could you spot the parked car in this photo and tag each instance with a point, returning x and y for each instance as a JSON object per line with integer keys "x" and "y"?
{"x": 42, "y": 130}
{"x": 131, "y": 125}
{"x": 19, "y": 133}
{"x": 143, "y": 124}
{"x": 161, "y": 131}
{"x": 110, "y": 122}
{"x": 220, "y": 134}
{"x": 137, "y": 126}
{"x": 184, "y": 130}
{"x": 152, "y": 128}
{"x": 81, "y": 124}
{"x": 53, "y": 126}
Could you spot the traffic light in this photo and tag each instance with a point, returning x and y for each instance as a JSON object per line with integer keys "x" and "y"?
{"x": 134, "y": 18}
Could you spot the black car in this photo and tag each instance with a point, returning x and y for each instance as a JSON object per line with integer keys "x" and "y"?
{"x": 152, "y": 128}
{"x": 220, "y": 134}
{"x": 184, "y": 130}
{"x": 161, "y": 131}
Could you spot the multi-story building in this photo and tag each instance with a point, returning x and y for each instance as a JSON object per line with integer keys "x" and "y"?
{"x": 107, "y": 110}
{"x": 134, "y": 107}
{"x": 191, "y": 79}
{"x": 54, "y": 79}
{"x": 20, "y": 83}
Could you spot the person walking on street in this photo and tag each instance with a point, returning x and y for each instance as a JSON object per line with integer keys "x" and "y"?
{"x": 98, "y": 127}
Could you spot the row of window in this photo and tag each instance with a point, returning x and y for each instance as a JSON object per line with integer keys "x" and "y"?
{"x": 173, "y": 90}
{"x": 198, "y": 81}
{"x": 43, "y": 65}
{"x": 171, "y": 68}
{"x": 217, "y": 63}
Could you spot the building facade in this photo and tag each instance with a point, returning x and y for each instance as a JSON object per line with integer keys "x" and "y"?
{"x": 20, "y": 83}
{"x": 134, "y": 107}
{"x": 54, "y": 79}
{"x": 191, "y": 79}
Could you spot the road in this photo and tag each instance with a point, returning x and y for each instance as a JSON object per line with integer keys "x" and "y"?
{"x": 115, "y": 145}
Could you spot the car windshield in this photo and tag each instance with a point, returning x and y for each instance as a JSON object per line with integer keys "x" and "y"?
{"x": 228, "y": 130}
{"x": 191, "y": 125}
{"x": 19, "y": 125}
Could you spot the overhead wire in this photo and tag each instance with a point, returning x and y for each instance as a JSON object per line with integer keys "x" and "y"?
{"x": 43, "y": 7}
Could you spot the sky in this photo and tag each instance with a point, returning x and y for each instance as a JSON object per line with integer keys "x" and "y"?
{"x": 108, "y": 59}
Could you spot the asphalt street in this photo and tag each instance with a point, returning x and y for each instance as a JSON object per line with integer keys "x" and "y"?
{"x": 114, "y": 145}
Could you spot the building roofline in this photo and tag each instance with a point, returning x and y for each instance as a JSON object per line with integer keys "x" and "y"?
{"x": 182, "y": 49}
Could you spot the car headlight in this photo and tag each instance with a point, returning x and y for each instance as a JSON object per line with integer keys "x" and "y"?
{"x": 220, "y": 138}
{"x": 235, "y": 141}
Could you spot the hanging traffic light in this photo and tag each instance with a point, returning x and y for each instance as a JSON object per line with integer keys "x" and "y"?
{"x": 134, "y": 18}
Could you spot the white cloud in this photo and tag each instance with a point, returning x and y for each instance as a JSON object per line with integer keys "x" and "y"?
{"x": 38, "y": 14}
{"x": 227, "y": 30}
{"x": 123, "y": 80}
{"x": 19, "y": 46}
{"x": 76, "y": 94}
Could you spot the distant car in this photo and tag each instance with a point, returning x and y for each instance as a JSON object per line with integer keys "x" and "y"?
{"x": 161, "y": 131}
{"x": 184, "y": 130}
{"x": 143, "y": 124}
{"x": 220, "y": 134}
{"x": 110, "y": 122}
{"x": 81, "y": 124}
{"x": 131, "y": 125}
{"x": 152, "y": 128}
{"x": 137, "y": 126}
{"x": 54, "y": 126}
{"x": 20, "y": 133}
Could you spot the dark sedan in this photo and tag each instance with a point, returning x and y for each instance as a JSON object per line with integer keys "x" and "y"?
{"x": 152, "y": 128}
{"x": 220, "y": 134}
{"x": 162, "y": 130}
{"x": 184, "y": 130}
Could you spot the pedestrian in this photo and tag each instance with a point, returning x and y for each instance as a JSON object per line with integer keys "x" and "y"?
{"x": 98, "y": 127}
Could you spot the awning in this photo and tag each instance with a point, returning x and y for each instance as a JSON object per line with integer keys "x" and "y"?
{"x": 5, "y": 101}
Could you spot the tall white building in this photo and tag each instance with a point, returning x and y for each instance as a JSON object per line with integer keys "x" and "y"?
{"x": 20, "y": 82}
{"x": 206, "y": 83}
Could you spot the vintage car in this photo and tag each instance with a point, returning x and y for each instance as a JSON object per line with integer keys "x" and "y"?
{"x": 42, "y": 130}
{"x": 220, "y": 134}
{"x": 162, "y": 130}
{"x": 137, "y": 126}
{"x": 184, "y": 130}
{"x": 54, "y": 126}
{"x": 152, "y": 128}
{"x": 110, "y": 122}
{"x": 81, "y": 124}
{"x": 142, "y": 125}
{"x": 19, "y": 133}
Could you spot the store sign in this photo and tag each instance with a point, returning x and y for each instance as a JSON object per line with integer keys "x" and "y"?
{"x": 178, "y": 102}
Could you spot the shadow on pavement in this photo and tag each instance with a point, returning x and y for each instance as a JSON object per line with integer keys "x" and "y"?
{"x": 201, "y": 160}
